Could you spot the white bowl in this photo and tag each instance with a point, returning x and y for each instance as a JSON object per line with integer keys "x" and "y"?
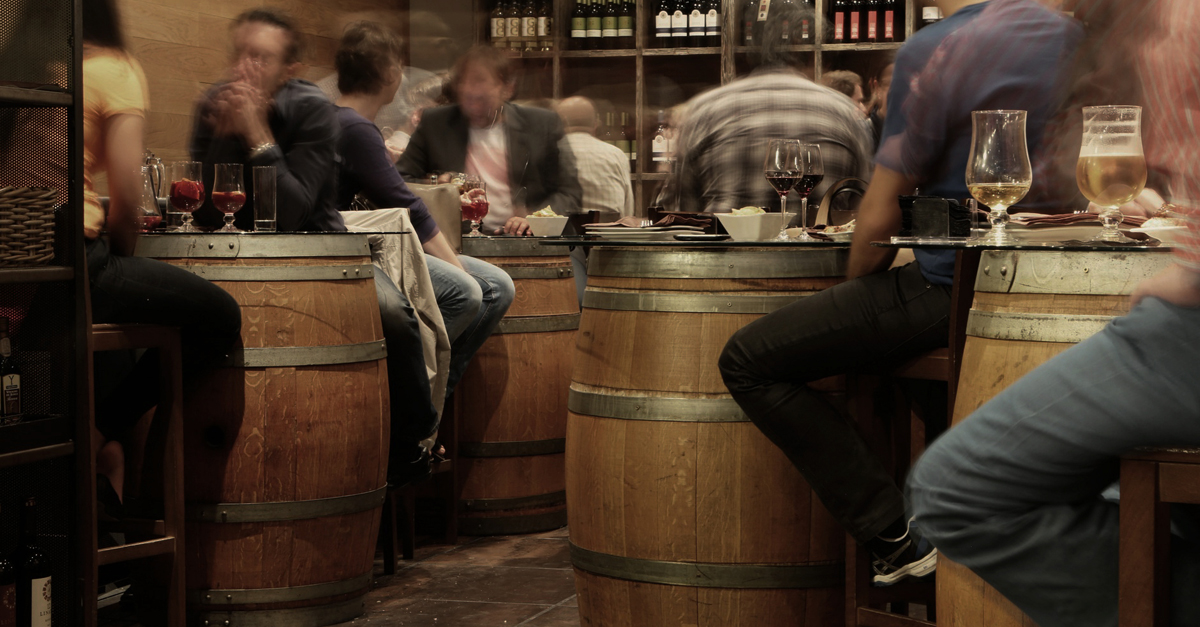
{"x": 755, "y": 228}
{"x": 547, "y": 227}
{"x": 1168, "y": 235}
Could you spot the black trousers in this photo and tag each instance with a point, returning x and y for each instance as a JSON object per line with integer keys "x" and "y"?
{"x": 870, "y": 324}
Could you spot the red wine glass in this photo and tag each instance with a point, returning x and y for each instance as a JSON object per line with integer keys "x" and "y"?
{"x": 229, "y": 193}
{"x": 187, "y": 191}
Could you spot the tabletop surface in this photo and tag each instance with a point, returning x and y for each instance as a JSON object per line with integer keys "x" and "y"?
{"x": 595, "y": 241}
{"x": 1070, "y": 245}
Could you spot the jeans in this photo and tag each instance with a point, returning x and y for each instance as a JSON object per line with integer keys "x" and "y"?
{"x": 869, "y": 324}
{"x": 413, "y": 415}
{"x": 1013, "y": 493}
{"x": 147, "y": 291}
{"x": 472, "y": 304}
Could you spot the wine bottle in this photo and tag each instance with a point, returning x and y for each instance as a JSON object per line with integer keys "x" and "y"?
{"x": 839, "y": 21}
{"x": 513, "y": 23}
{"x": 608, "y": 25}
{"x": 712, "y": 24}
{"x": 662, "y": 25}
{"x": 764, "y": 11}
{"x": 529, "y": 24}
{"x": 499, "y": 38}
{"x": 806, "y": 26}
{"x": 889, "y": 20}
{"x": 679, "y": 24}
{"x": 8, "y": 593}
{"x": 33, "y": 573}
{"x": 10, "y": 379}
{"x": 786, "y": 33}
{"x": 749, "y": 15}
{"x": 658, "y": 146}
{"x": 595, "y": 25}
{"x": 606, "y": 134}
{"x": 579, "y": 26}
{"x": 625, "y": 29}
{"x": 853, "y": 13}
{"x": 696, "y": 24}
{"x": 871, "y": 16}
{"x": 545, "y": 25}
{"x": 622, "y": 136}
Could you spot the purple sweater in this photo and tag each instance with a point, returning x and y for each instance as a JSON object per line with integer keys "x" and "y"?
{"x": 366, "y": 168}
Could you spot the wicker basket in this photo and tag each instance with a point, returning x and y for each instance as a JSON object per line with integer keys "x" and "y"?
{"x": 27, "y": 225}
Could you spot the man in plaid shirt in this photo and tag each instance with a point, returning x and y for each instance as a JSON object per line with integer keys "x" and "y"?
{"x": 723, "y": 139}
{"x": 1014, "y": 491}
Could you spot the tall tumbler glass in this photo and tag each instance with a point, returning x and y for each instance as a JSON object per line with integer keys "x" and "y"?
{"x": 264, "y": 198}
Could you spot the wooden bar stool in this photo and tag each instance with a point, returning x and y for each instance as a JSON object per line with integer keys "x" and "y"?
{"x": 159, "y": 543}
{"x": 866, "y": 605}
{"x": 1151, "y": 479}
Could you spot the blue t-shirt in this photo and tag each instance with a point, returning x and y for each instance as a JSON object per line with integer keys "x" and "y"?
{"x": 1002, "y": 54}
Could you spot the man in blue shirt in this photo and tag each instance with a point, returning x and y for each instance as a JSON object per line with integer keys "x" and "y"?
{"x": 997, "y": 54}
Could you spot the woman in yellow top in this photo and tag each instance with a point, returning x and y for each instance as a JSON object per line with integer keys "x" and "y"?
{"x": 124, "y": 288}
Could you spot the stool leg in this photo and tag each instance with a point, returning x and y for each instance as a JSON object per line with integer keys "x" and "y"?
{"x": 408, "y": 540}
{"x": 1144, "y": 579}
{"x": 387, "y": 533}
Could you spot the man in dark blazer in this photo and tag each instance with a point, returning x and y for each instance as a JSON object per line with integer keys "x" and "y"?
{"x": 515, "y": 149}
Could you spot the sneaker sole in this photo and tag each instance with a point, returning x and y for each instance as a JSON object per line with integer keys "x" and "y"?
{"x": 920, "y": 568}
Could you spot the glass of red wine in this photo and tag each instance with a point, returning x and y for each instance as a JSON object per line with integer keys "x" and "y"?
{"x": 149, "y": 215}
{"x": 814, "y": 171}
{"x": 474, "y": 203}
{"x": 229, "y": 193}
{"x": 783, "y": 170}
{"x": 187, "y": 191}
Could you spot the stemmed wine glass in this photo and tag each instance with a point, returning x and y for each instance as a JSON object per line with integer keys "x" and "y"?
{"x": 783, "y": 168}
{"x": 474, "y": 203}
{"x": 229, "y": 193}
{"x": 998, "y": 173}
{"x": 814, "y": 172}
{"x": 187, "y": 191}
{"x": 149, "y": 215}
{"x": 1112, "y": 167}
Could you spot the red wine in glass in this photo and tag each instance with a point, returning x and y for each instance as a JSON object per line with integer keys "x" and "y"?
{"x": 228, "y": 202}
{"x": 475, "y": 211}
{"x": 783, "y": 180}
{"x": 150, "y": 222}
{"x": 187, "y": 195}
{"x": 808, "y": 183}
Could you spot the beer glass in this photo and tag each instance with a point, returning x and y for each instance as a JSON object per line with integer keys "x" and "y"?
{"x": 998, "y": 171}
{"x": 1112, "y": 167}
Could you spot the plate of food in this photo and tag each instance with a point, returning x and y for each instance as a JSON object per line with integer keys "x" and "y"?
{"x": 840, "y": 233}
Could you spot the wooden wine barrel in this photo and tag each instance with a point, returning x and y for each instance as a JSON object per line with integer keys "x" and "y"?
{"x": 1029, "y": 306}
{"x": 681, "y": 512}
{"x": 512, "y": 400}
{"x": 286, "y": 444}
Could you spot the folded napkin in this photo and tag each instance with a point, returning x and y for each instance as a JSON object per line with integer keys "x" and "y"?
{"x": 1068, "y": 219}
{"x": 669, "y": 220}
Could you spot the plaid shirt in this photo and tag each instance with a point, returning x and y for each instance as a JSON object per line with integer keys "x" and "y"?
{"x": 723, "y": 139}
{"x": 603, "y": 174}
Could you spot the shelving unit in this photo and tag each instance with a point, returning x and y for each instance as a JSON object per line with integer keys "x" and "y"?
{"x": 636, "y": 79}
{"x": 41, "y": 119}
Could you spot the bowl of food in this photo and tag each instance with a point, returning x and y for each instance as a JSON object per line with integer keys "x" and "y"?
{"x": 840, "y": 233}
{"x": 1169, "y": 231}
{"x": 546, "y": 223}
{"x": 752, "y": 224}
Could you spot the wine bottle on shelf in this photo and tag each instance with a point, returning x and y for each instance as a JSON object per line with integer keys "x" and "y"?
{"x": 806, "y": 25}
{"x": 889, "y": 20}
{"x": 696, "y": 37}
{"x": 10, "y": 379}
{"x": 499, "y": 37}
{"x": 8, "y": 593}
{"x": 545, "y": 25}
{"x": 595, "y": 25}
{"x": 839, "y": 21}
{"x": 579, "y": 26}
{"x": 606, "y": 132}
{"x": 659, "y": 148}
{"x": 622, "y": 137}
{"x": 749, "y": 14}
{"x": 871, "y": 17}
{"x": 33, "y": 573}
{"x": 662, "y": 25}
{"x": 764, "y": 11}
{"x": 785, "y": 33}
{"x": 679, "y": 24}
{"x": 625, "y": 26}
{"x": 712, "y": 24}
{"x": 608, "y": 26}
{"x": 529, "y": 24}
{"x": 853, "y": 12}
{"x": 513, "y": 25}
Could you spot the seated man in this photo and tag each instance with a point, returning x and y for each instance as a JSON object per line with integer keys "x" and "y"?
{"x": 472, "y": 295}
{"x": 267, "y": 117}
{"x": 882, "y": 317}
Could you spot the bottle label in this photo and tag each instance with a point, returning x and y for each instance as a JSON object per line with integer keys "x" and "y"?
{"x": 609, "y": 26}
{"x": 658, "y": 148}
{"x": 625, "y": 26}
{"x": 854, "y": 26}
{"x": 543, "y": 27}
{"x": 805, "y": 33}
{"x": 8, "y": 605}
{"x": 633, "y": 150}
{"x": 529, "y": 27}
{"x": 678, "y": 24}
{"x": 872, "y": 28}
{"x": 889, "y": 20}
{"x": 578, "y": 27}
{"x": 11, "y": 384}
{"x": 764, "y": 7}
{"x": 595, "y": 27}
{"x": 662, "y": 24}
{"x": 696, "y": 23}
{"x": 748, "y": 32}
{"x": 839, "y": 26}
{"x": 787, "y": 31}
{"x": 40, "y": 598}
{"x": 712, "y": 23}
{"x": 514, "y": 27}
{"x": 497, "y": 28}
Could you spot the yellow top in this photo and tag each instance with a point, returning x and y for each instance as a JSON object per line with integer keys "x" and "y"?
{"x": 113, "y": 84}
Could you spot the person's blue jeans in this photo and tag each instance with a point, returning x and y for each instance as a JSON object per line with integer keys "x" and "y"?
{"x": 1013, "y": 492}
{"x": 413, "y": 415}
{"x": 472, "y": 304}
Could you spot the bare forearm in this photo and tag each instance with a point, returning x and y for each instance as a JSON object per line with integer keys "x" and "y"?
{"x": 439, "y": 247}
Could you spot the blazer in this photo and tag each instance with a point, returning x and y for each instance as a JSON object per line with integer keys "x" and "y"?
{"x": 539, "y": 171}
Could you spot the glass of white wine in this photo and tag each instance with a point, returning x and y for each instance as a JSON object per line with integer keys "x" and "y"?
{"x": 1112, "y": 167}
{"x": 998, "y": 172}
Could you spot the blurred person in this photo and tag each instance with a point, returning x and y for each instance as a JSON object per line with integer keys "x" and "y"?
{"x": 125, "y": 288}
{"x": 877, "y": 109}
{"x": 515, "y": 149}
{"x": 997, "y": 54}
{"x": 472, "y": 295}
{"x": 603, "y": 168}
{"x": 429, "y": 92}
{"x": 723, "y": 138}
{"x": 1014, "y": 492}
{"x": 266, "y": 116}
{"x": 849, "y": 83}
{"x": 395, "y": 119}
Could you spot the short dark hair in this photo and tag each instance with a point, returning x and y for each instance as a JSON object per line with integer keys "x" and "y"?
{"x": 843, "y": 81}
{"x": 102, "y": 24}
{"x": 492, "y": 59}
{"x": 278, "y": 19}
{"x": 364, "y": 56}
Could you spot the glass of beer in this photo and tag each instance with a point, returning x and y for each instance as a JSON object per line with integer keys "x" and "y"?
{"x": 1112, "y": 167}
{"x": 998, "y": 171}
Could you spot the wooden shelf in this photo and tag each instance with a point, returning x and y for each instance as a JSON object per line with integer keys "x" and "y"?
{"x": 535, "y": 54}
{"x": 28, "y": 437}
{"x": 36, "y": 275}
{"x": 889, "y": 45}
{"x": 21, "y": 96}
{"x": 679, "y": 52}
{"x": 800, "y": 48}
{"x": 650, "y": 176}
{"x": 598, "y": 54}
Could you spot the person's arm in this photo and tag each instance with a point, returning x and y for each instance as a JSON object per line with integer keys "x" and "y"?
{"x": 365, "y": 158}
{"x": 628, "y": 186}
{"x": 123, "y": 154}
{"x": 302, "y": 171}
{"x": 439, "y": 247}
{"x": 878, "y": 219}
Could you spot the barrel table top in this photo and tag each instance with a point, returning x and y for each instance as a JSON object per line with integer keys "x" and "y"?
{"x": 1150, "y": 246}
{"x": 175, "y": 245}
{"x": 728, "y": 243}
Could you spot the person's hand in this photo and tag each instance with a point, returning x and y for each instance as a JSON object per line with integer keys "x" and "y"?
{"x": 445, "y": 177}
{"x": 393, "y": 154}
{"x": 1177, "y": 285}
{"x": 470, "y": 195}
{"x": 240, "y": 109}
{"x": 1147, "y": 204}
{"x": 516, "y": 225}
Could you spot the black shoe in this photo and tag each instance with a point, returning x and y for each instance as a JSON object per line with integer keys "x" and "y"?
{"x": 405, "y": 469}
{"x": 914, "y": 556}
